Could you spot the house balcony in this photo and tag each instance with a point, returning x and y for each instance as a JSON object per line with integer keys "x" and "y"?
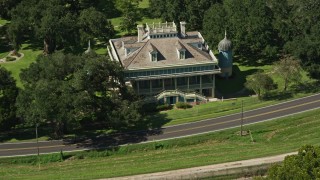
{"x": 184, "y": 88}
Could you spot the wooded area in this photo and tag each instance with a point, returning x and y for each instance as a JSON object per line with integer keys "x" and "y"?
{"x": 78, "y": 92}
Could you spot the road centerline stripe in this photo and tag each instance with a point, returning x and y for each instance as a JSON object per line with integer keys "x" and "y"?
{"x": 225, "y": 122}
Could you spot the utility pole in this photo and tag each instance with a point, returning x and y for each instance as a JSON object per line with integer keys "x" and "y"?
{"x": 241, "y": 117}
{"x": 38, "y": 145}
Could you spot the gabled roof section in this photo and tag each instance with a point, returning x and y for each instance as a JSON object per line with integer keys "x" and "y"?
{"x": 166, "y": 49}
{"x": 180, "y": 46}
{"x": 151, "y": 48}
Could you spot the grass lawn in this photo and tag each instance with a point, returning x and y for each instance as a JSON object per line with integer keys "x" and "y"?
{"x": 30, "y": 56}
{"x": 232, "y": 86}
{"x": 273, "y": 137}
{"x": 3, "y": 54}
{"x": 213, "y": 110}
{"x": 3, "y": 22}
{"x": 143, "y": 5}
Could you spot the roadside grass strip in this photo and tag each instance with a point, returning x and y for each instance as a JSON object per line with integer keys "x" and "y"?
{"x": 270, "y": 138}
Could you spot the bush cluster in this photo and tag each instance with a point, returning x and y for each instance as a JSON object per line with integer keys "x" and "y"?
{"x": 164, "y": 107}
{"x": 9, "y": 58}
{"x": 183, "y": 105}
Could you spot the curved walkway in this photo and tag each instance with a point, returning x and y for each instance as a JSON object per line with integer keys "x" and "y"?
{"x": 3, "y": 60}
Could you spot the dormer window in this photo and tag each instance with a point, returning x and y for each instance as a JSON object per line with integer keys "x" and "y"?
{"x": 182, "y": 54}
{"x": 154, "y": 56}
{"x": 153, "y": 52}
{"x": 181, "y": 50}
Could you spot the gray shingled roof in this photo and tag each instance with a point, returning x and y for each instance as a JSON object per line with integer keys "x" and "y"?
{"x": 167, "y": 52}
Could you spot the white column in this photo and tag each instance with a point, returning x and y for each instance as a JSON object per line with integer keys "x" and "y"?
{"x": 201, "y": 84}
{"x": 213, "y": 85}
{"x": 188, "y": 85}
{"x": 175, "y": 83}
{"x": 162, "y": 84}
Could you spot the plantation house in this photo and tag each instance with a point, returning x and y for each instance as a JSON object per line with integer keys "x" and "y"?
{"x": 167, "y": 65}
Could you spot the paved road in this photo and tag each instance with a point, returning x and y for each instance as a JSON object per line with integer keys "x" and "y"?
{"x": 253, "y": 116}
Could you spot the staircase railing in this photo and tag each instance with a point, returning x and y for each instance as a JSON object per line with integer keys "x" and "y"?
{"x": 183, "y": 94}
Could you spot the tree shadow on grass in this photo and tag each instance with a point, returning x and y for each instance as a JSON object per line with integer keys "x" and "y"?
{"x": 233, "y": 86}
{"x": 283, "y": 95}
{"x": 308, "y": 87}
{"x": 151, "y": 128}
{"x": 253, "y": 59}
{"x": 33, "y": 45}
{"x": 22, "y": 134}
{"x": 305, "y": 88}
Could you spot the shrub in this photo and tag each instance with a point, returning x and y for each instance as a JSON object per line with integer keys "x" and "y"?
{"x": 9, "y": 58}
{"x": 164, "y": 107}
{"x": 183, "y": 105}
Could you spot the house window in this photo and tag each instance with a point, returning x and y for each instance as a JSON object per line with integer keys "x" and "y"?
{"x": 153, "y": 57}
{"x": 182, "y": 55}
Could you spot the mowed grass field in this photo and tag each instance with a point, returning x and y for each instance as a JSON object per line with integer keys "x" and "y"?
{"x": 270, "y": 138}
{"x": 15, "y": 67}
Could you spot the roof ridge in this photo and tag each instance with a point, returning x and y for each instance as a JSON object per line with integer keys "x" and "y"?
{"x": 151, "y": 47}
{"x": 199, "y": 51}
{"x": 179, "y": 45}
{"x": 137, "y": 52}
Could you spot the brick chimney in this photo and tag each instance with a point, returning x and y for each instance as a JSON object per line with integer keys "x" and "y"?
{"x": 183, "y": 28}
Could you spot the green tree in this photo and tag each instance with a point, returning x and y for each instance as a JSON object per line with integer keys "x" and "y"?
{"x": 8, "y": 94}
{"x": 289, "y": 70}
{"x": 304, "y": 165}
{"x": 195, "y": 11}
{"x": 251, "y": 25}
{"x": 59, "y": 24}
{"x": 213, "y": 33}
{"x": 191, "y": 11}
{"x": 297, "y": 23}
{"x": 15, "y": 33}
{"x": 6, "y": 6}
{"x": 248, "y": 23}
{"x": 47, "y": 98}
{"x": 314, "y": 71}
{"x": 130, "y": 14}
{"x": 69, "y": 93}
{"x": 260, "y": 83}
{"x": 94, "y": 24}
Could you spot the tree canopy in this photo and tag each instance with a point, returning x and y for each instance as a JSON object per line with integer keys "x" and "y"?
{"x": 71, "y": 92}
{"x": 58, "y": 24}
{"x": 260, "y": 83}
{"x": 304, "y": 165}
{"x": 191, "y": 11}
{"x": 130, "y": 14}
{"x": 289, "y": 69}
{"x": 248, "y": 24}
{"x": 6, "y": 6}
{"x": 8, "y": 94}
